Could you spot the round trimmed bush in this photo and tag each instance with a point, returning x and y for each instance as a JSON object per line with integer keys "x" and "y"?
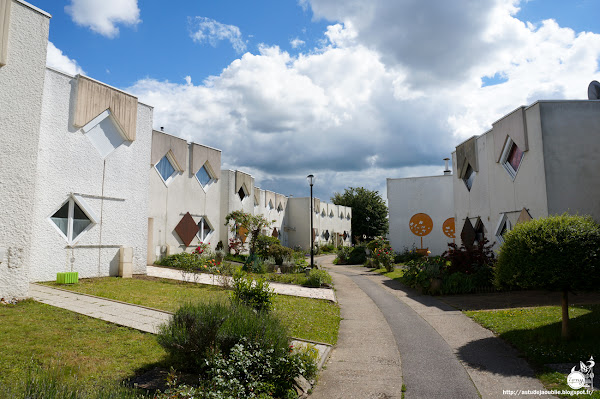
{"x": 555, "y": 253}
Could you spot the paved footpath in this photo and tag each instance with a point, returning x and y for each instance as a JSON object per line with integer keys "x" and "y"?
{"x": 443, "y": 353}
{"x": 124, "y": 314}
{"x": 211, "y": 279}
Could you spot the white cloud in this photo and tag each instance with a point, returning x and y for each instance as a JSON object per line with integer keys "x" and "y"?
{"x": 56, "y": 59}
{"x": 103, "y": 16}
{"x": 296, "y": 42}
{"x": 361, "y": 107}
{"x": 208, "y": 30}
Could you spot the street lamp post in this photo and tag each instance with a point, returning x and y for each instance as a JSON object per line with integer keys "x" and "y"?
{"x": 311, "y": 180}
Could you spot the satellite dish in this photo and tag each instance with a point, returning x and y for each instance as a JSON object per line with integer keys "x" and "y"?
{"x": 594, "y": 90}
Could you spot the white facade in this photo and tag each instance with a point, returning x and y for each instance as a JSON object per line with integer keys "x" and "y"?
{"x": 331, "y": 223}
{"x": 237, "y": 194}
{"x": 101, "y": 172}
{"x": 273, "y": 207}
{"x": 194, "y": 188}
{"x": 421, "y": 213}
{"x": 23, "y": 41}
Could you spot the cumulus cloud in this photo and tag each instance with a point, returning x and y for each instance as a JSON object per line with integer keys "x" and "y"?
{"x": 296, "y": 42}
{"x": 103, "y": 16}
{"x": 204, "y": 29}
{"x": 361, "y": 107}
{"x": 56, "y": 59}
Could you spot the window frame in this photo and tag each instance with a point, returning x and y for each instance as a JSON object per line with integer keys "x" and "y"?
{"x": 245, "y": 191}
{"x": 210, "y": 174}
{"x": 171, "y": 160}
{"x": 505, "y": 155}
{"x": 466, "y": 179}
{"x": 201, "y": 227}
{"x": 89, "y": 213}
{"x": 499, "y": 227}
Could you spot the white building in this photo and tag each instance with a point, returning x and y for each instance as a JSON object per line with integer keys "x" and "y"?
{"x": 76, "y": 150}
{"x": 23, "y": 40}
{"x": 421, "y": 213}
{"x": 331, "y": 223}
{"x": 185, "y": 182}
{"x": 536, "y": 161}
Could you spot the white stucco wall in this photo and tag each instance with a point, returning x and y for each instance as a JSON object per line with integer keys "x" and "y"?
{"x": 114, "y": 188}
{"x": 571, "y": 134}
{"x": 21, "y": 91}
{"x": 432, "y": 195}
{"x": 494, "y": 193}
{"x": 299, "y": 222}
{"x": 230, "y": 201}
{"x": 275, "y": 217}
{"x": 170, "y": 202}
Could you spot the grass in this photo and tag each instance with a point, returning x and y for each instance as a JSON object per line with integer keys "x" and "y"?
{"x": 394, "y": 275}
{"x": 311, "y": 319}
{"x": 91, "y": 350}
{"x": 536, "y": 333}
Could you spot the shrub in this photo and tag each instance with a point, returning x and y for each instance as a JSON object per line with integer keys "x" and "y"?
{"x": 343, "y": 254}
{"x": 382, "y": 253}
{"x": 255, "y": 294}
{"x": 317, "y": 278}
{"x": 289, "y": 266}
{"x": 557, "y": 253}
{"x": 280, "y": 253}
{"x": 469, "y": 260}
{"x": 358, "y": 255}
{"x": 263, "y": 243}
{"x": 197, "y": 332}
{"x": 254, "y": 264}
{"x": 327, "y": 248}
{"x": 183, "y": 261}
{"x": 407, "y": 255}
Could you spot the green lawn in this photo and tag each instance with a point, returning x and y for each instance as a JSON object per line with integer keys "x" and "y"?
{"x": 395, "y": 275}
{"x": 312, "y": 319}
{"x": 536, "y": 333}
{"x": 95, "y": 351}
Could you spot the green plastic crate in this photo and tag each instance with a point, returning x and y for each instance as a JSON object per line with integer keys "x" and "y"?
{"x": 67, "y": 278}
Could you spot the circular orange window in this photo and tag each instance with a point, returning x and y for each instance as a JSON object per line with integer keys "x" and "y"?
{"x": 448, "y": 227}
{"x": 421, "y": 224}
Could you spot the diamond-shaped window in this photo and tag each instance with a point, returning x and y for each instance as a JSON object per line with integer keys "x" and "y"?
{"x": 511, "y": 158}
{"x": 73, "y": 218}
{"x": 469, "y": 177}
{"x": 104, "y": 133}
{"x": 323, "y": 213}
{"x": 242, "y": 193}
{"x": 331, "y": 214}
{"x": 504, "y": 227}
{"x": 205, "y": 176}
{"x": 165, "y": 169}
{"x": 204, "y": 230}
{"x": 279, "y": 208}
{"x": 270, "y": 205}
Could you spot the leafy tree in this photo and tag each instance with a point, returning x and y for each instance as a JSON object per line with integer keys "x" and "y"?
{"x": 369, "y": 212}
{"x": 558, "y": 253}
{"x": 253, "y": 223}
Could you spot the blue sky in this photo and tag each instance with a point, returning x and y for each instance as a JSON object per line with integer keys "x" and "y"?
{"x": 352, "y": 91}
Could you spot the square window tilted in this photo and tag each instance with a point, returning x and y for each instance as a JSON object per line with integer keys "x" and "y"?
{"x": 165, "y": 168}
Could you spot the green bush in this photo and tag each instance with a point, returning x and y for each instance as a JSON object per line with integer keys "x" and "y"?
{"x": 358, "y": 255}
{"x": 197, "y": 332}
{"x": 183, "y": 261}
{"x": 317, "y": 278}
{"x": 255, "y": 294}
{"x": 327, "y": 248}
{"x": 469, "y": 260}
{"x": 343, "y": 254}
{"x": 407, "y": 255}
{"x": 555, "y": 253}
{"x": 280, "y": 253}
{"x": 263, "y": 243}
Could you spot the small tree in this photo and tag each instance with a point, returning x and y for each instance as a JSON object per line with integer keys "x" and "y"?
{"x": 369, "y": 212}
{"x": 559, "y": 253}
{"x": 253, "y": 223}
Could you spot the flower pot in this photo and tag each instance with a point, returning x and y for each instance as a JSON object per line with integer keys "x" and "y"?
{"x": 422, "y": 251}
{"x": 67, "y": 278}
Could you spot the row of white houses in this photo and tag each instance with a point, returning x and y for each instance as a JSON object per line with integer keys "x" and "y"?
{"x": 88, "y": 186}
{"x": 539, "y": 160}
